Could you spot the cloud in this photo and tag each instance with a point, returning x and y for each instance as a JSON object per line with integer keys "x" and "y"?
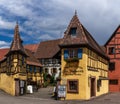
{"x": 45, "y": 37}
{"x": 5, "y": 24}
{"x": 4, "y": 44}
{"x": 51, "y": 17}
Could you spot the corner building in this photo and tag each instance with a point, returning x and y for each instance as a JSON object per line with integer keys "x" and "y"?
{"x": 84, "y": 65}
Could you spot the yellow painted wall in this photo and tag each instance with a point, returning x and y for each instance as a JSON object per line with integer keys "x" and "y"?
{"x": 92, "y": 60}
{"x": 82, "y": 77}
{"x": 36, "y": 77}
{"x": 7, "y": 83}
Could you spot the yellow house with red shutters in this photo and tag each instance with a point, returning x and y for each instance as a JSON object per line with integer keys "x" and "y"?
{"x": 84, "y": 64}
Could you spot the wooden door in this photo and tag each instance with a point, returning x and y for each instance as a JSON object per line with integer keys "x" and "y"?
{"x": 93, "y": 87}
{"x": 17, "y": 88}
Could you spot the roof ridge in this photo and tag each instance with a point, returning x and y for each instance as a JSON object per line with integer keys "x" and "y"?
{"x": 52, "y": 40}
{"x": 112, "y": 35}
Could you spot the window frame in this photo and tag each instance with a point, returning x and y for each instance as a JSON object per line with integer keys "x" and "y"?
{"x": 111, "y": 50}
{"x": 73, "y": 31}
{"x": 116, "y": 82}
{"x": 112, "y": 66}
{"x": 73, "y": 53}
{"x": 68, "y": 86}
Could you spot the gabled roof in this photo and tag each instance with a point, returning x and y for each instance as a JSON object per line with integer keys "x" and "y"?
{"x": 114, "y": 33}
{"x": 17, "y": 42}
{"x": 48, "y": 49}
{"x": 83, "y": 37}
{"x": 31, "y": 59}
{"x": 31, "y": 47}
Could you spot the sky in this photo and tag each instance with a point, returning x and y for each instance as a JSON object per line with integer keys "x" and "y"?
{"x": 41, "y": 20}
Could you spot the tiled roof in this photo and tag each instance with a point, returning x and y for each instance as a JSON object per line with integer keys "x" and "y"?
{"x": 3, "y": 52}
{"x": 103, "y": 48}
{"x": 17, "y": 42}
{"x": 31, "y": 47}
{"x": 31, "y": 59}
{"x": 48, "y": 49}
{"x": 83, "y": 37}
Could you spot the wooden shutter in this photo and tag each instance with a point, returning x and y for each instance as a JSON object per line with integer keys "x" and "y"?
{"x": 65, "y": 54}
{"x": 79, "y": 53}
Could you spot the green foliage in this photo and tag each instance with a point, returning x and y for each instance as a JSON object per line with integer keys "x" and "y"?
{"x": 52, "y": 79}
{"x": 48, "y": 81}
{"x": 45, "y": 77}
{"x": 45, "y": 84}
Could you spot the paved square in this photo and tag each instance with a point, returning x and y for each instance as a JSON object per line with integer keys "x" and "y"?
{"x": 43, "y": 96}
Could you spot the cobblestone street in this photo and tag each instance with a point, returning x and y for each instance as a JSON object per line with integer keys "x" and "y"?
{"x": 43, "y": 96}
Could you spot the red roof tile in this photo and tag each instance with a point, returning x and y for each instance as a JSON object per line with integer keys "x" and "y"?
{"x": 48, "y": 49}
{"x": 31, "y": 47}
{"x": 3, "y": 52}
{"x": 31, "y": 59}
{"x": 83, "y": 37}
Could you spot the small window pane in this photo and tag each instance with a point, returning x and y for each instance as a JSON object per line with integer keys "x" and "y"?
{"x": 30, "y": 68}
{"x": 73, "y": 86}
{"x": 113, "y": 82}
{"x": 111, "y": 50}
{"x": 73, "y": 31}
{"x": 65, "y": 54}
{"x": 112, "y": 66}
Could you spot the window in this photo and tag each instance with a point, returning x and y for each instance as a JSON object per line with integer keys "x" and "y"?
{"x": 46, "y": 70}
{"x": 73, "y": 53}
{"x": 112, "y": 66}
{"x": 40, "y": 70}
{"x": 113, "y": 82}
{"x": 98, "y": 84}
{"x": 54, "y": 70}
{"x": 35, "y": 69}
{"x": 42, "y": 61}
{"x": 73, "y": 31}
{"x": 65, "y": 54}
{"x": 72, "y": 86}
{"x": 30, "y": 68}
{"x": 111, "y": 50}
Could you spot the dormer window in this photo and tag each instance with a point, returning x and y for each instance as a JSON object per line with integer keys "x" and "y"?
{"x": 73, "y": 31}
